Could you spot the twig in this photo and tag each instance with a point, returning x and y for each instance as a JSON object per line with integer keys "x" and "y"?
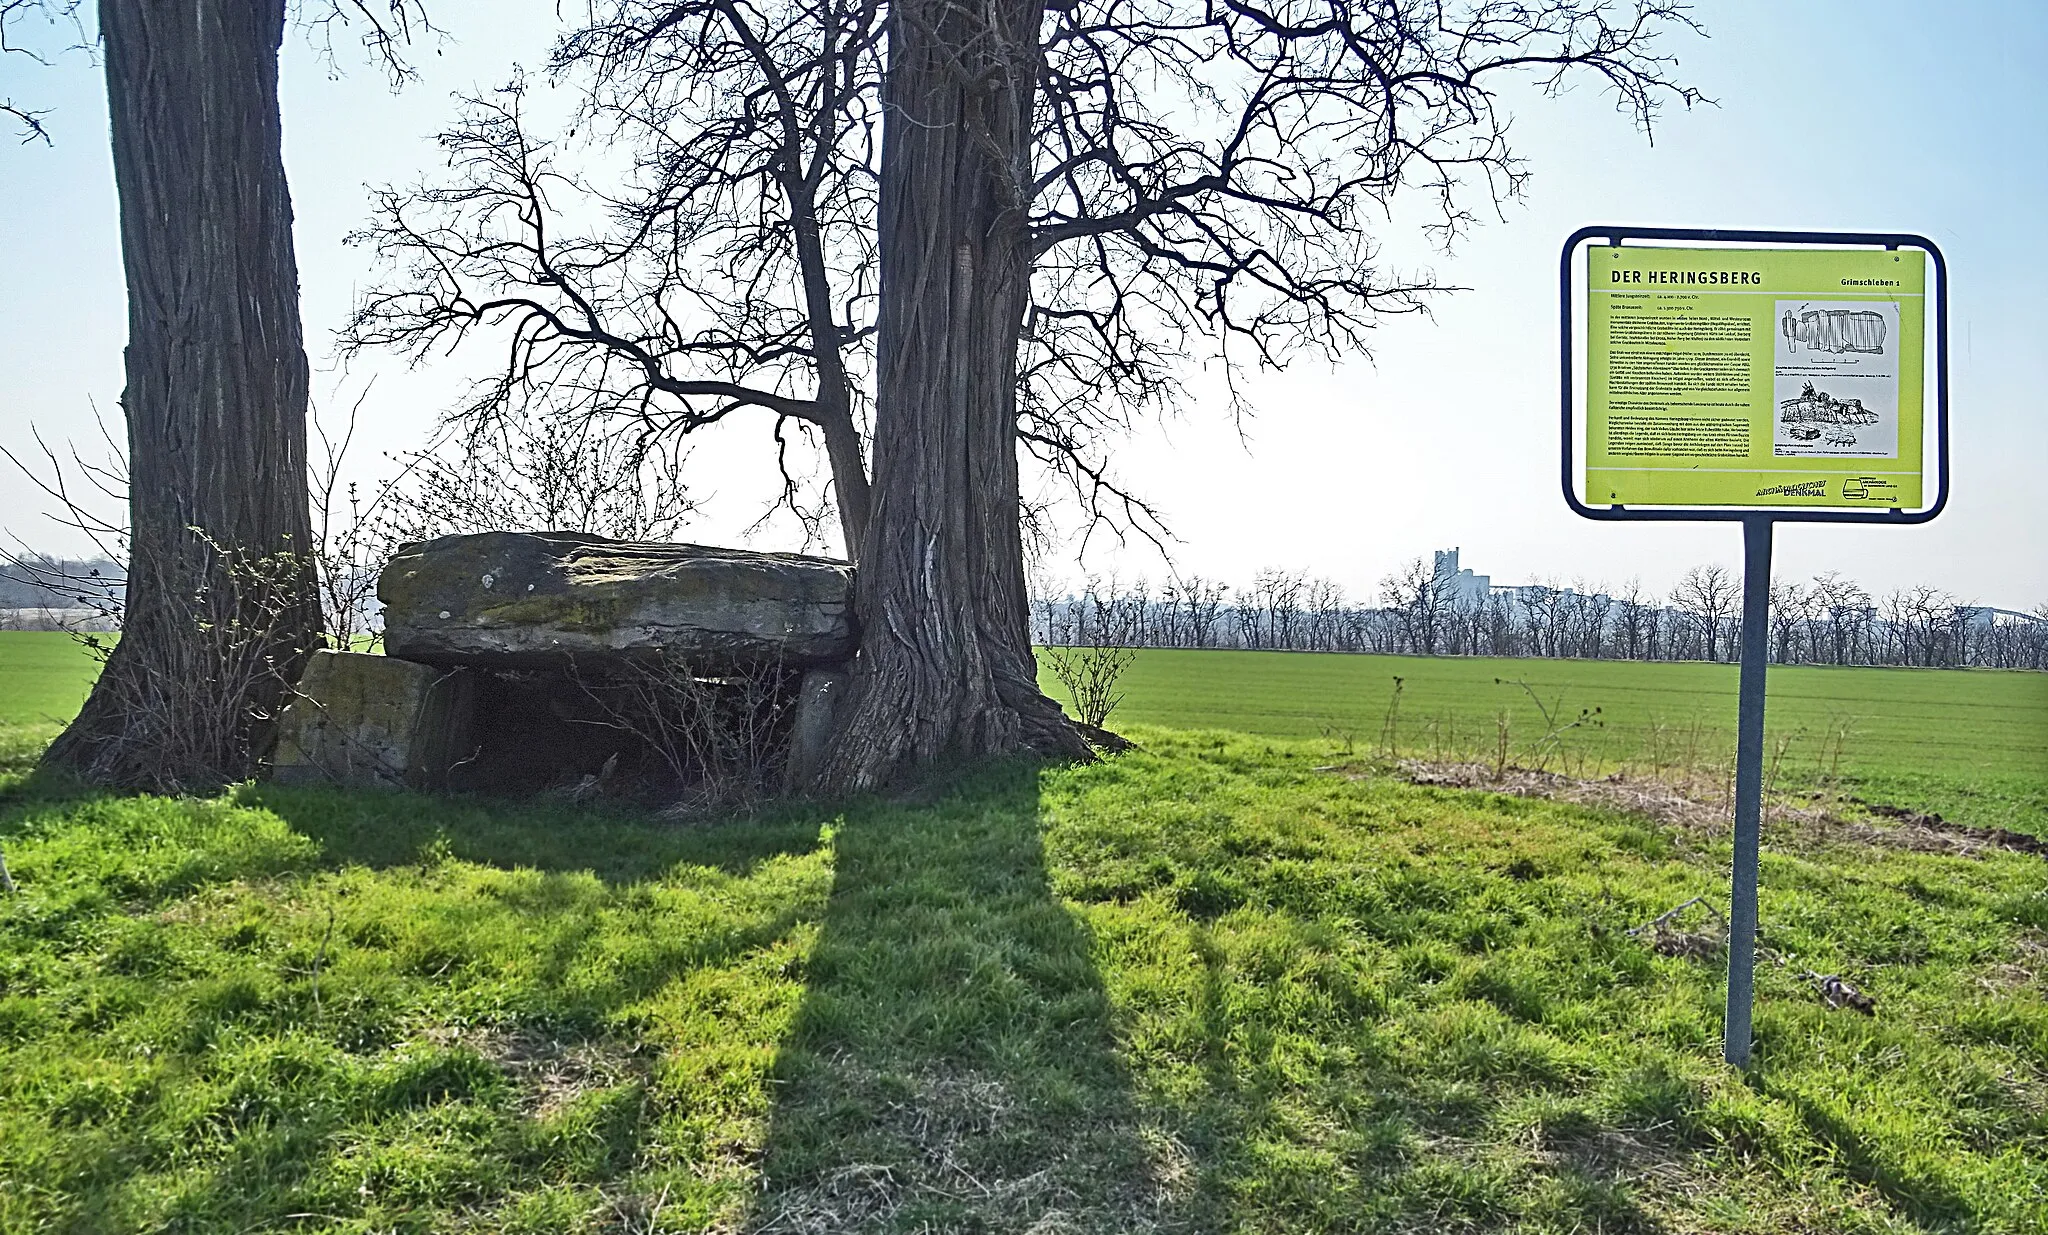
{"x": 1664, "y": 918}
{"x": 320, "y": 957}
{"x": 1835, "y": 991}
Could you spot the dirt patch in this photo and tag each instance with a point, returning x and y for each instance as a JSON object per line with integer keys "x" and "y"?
{"x": 948, "y": 1121}
{"x": 550, "y": 1073}
{"x": 1651, "y": 798}
{"x": 1951, "y": 832}
{"x": 1698, "y": 810}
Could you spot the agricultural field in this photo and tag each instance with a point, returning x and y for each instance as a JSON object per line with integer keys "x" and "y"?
{"x": 1226, "y": 982}
{"x": 1972, "y": 744}
{"x": 44, "y": 677}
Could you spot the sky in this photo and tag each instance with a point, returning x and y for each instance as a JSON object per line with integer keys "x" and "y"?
{"x": 1829, "y": 116}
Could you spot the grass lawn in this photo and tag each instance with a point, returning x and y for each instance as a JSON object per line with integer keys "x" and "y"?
{"x": 1200, "y": 987}
{"x": 1972, "y": 744}
{"x": 1205, "y": 986}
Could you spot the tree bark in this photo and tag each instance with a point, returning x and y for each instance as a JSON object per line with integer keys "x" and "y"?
{"x": 945, "y": 667}
{"x": 222, "y": 606}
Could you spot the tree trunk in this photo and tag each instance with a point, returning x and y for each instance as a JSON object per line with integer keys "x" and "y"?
{"x": 222, "y": 606}
{"x": 945, "y": 666}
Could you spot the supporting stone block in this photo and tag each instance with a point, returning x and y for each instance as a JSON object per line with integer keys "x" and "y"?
{"x": 375, "y": 722}
{"x": 818, "y": 700}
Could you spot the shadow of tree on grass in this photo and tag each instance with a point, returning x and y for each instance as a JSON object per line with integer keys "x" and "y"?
{"x": 952, "y": 1066}
{"x": 381, "y": 830}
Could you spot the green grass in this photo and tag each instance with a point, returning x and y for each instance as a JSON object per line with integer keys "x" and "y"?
{"x": 44, "y": 677}
{"x": 1972, "y": 744}
{"x": 1200, "y": 987}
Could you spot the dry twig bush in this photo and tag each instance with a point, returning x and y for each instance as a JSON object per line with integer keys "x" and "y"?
{"x": 706, "y": 738}
{"x": 202, "y": 713}
{"x": 1091, "y": 659}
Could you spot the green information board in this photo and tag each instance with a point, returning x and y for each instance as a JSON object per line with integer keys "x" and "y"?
{"x": 1754, "y": 377}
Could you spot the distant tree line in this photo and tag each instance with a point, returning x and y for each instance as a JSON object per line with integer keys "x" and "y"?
{"x": 1827, "y": 620}
{"x": 40, "y": 592}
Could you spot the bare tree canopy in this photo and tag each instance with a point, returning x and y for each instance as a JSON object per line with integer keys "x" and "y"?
{"x": 1202, "y": 182}
{"x": 965, "y": 236}
{"x": 60, "y": 16}
{"x": 732, "y": 271}
{"x": 1706, "y": 596}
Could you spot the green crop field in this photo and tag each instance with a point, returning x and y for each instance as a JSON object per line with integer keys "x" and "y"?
{"x": 1970, "y": 743}
{"x": 44, "y": 676}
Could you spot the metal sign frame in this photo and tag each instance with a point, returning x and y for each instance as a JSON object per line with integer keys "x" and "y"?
{"x": 1757, "y": 524}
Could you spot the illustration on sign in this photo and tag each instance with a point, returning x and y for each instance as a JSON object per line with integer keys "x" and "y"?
{"x": 1835, "y": 330}
{"x": 1854, "y": 411}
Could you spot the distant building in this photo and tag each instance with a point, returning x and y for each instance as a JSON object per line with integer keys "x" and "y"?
{"x": 1460, "y": 587}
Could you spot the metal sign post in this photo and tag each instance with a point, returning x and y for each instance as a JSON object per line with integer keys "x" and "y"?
{"x": 1749, "y": 786}
{"x": 1758, "y": 385}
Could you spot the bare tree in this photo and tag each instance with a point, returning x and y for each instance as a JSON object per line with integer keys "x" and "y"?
{"x": 1631, "y": 621}
{"x": 1420, "y": 600}
{"x": 735, "y": 272}
{"x": 1201, "y": 603}
{"x": 1927, "y": 624}
{"x": 1280, "y": 592}
{"x": 1541, "y": 606}
{"x": 1843, "y": 608}
{"x": 1586, "y": 611}
{"x": 1070, "y": 202}
{"x": 1791, "y": 611}
{"x": 1895, "y": 627}
{"x": 1707, "y": 596}
{"x": 1325, "y": 604}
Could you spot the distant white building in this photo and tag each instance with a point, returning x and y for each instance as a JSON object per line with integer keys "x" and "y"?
{"x": 1460, "y": 587}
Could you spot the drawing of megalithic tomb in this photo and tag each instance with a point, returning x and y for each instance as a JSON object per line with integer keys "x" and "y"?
{"x": 1834, "y": 330}
{"x": 1818, "y": 407}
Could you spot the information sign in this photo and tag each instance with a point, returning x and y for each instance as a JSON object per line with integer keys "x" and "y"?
{"x": 1754, "y": 377}
{"x": 1783, "y": 384}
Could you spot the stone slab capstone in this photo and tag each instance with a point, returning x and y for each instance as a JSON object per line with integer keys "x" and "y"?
{"x": 550, "y": 598}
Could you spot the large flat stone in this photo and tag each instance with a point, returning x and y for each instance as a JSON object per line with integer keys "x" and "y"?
{"x": 372, "y": 722}
{"x": 546, "y": 598}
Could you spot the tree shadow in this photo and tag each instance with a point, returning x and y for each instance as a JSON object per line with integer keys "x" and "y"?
{"x": 388, "y": 829}
{"x": 1925, "y": 1201}
{"x": 952, "y": 1066}
{"x": 1404, "y": 1150}
{"x": 439, "y": 1004}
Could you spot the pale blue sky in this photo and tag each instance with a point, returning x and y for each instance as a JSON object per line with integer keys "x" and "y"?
{"x": 1839, "y": 116}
